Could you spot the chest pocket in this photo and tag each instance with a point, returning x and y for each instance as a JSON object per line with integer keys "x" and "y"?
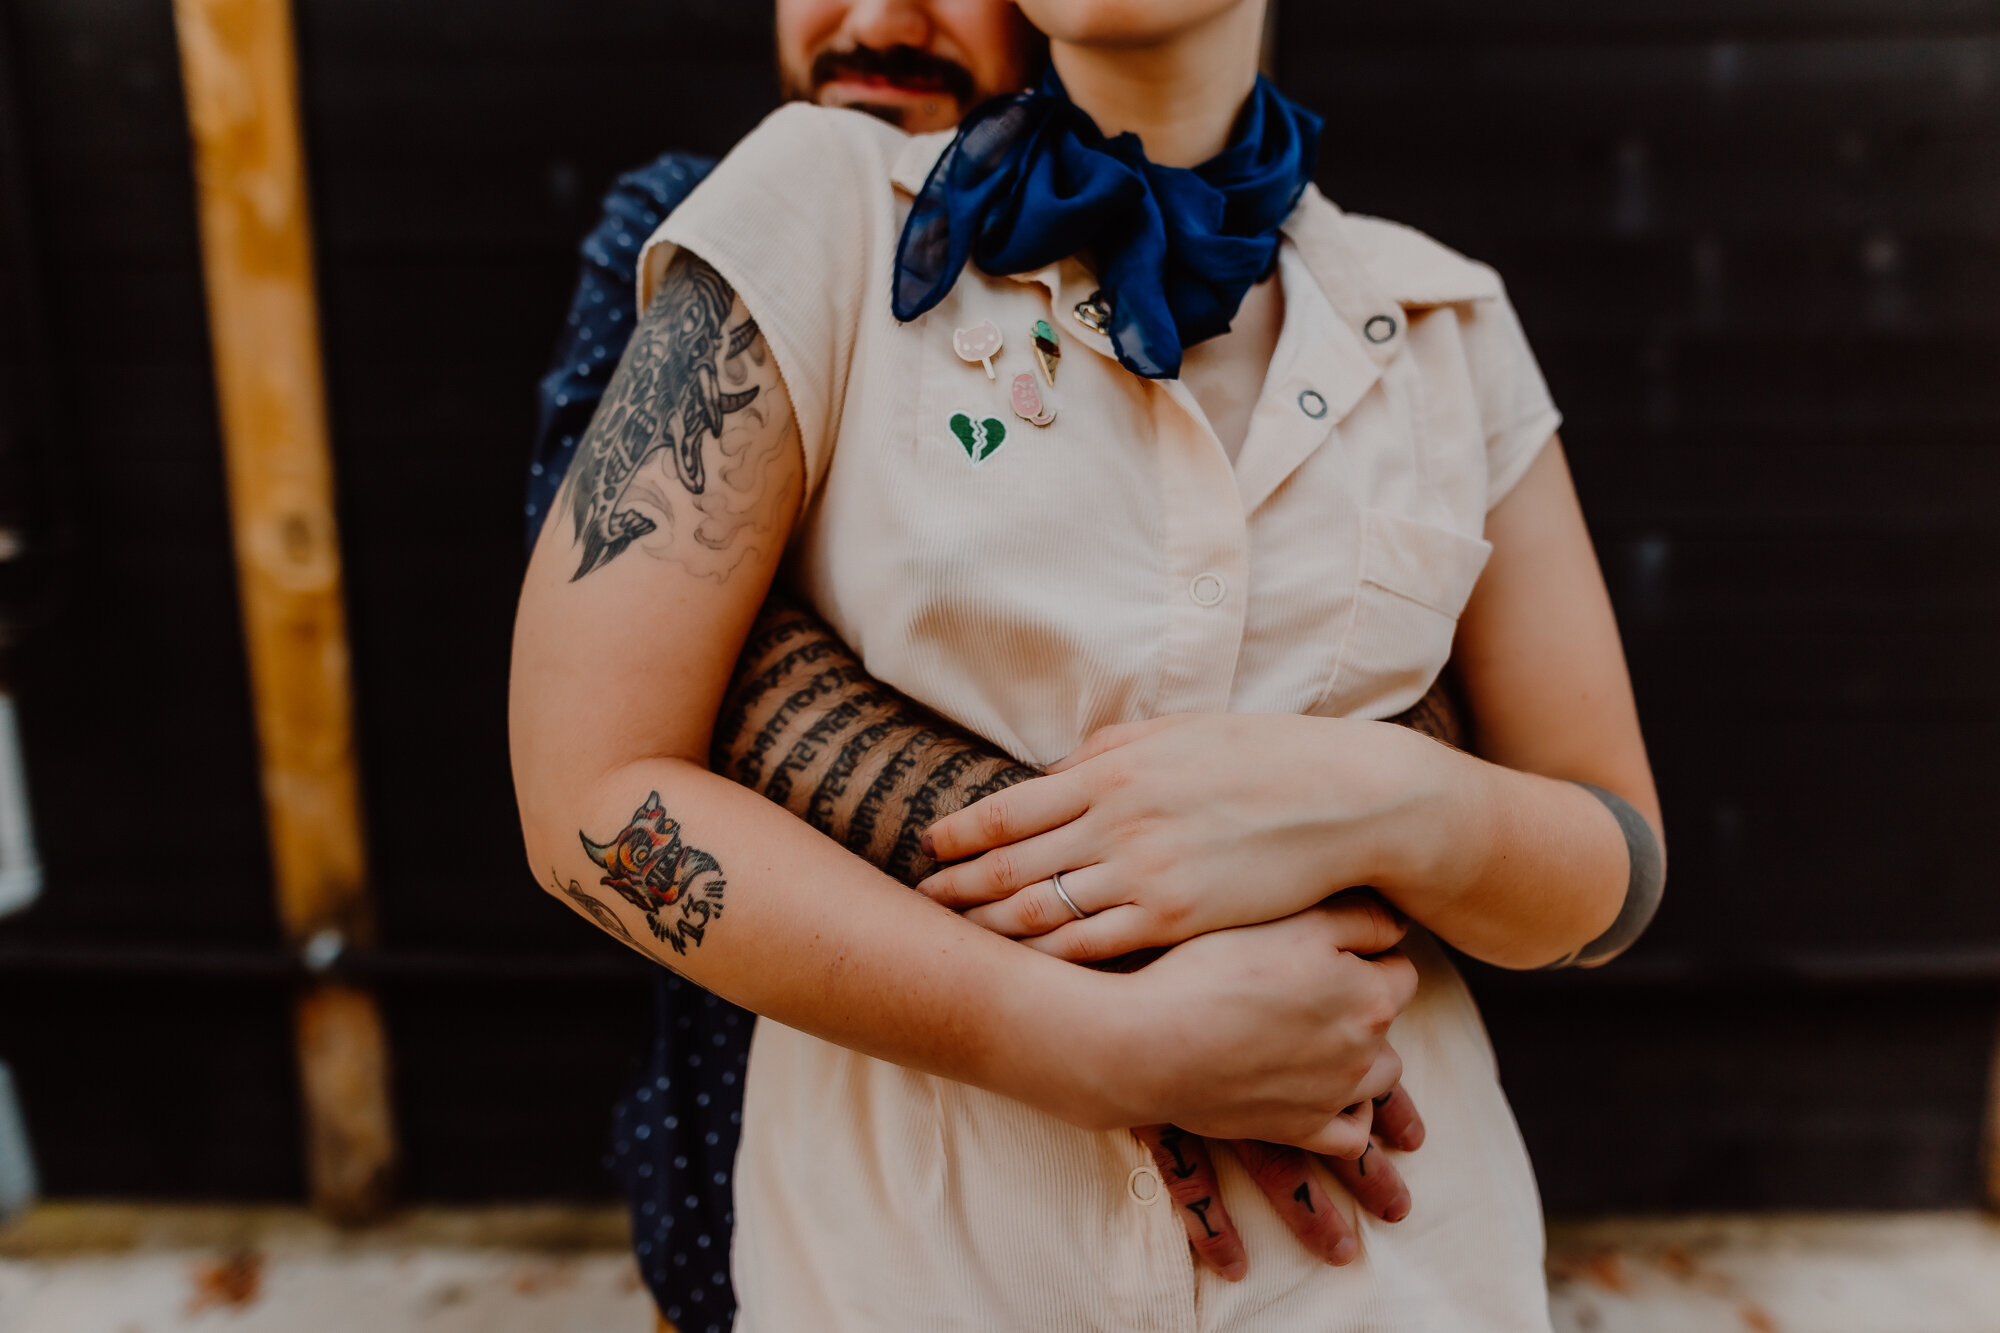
{"x": 1415, "y": 579}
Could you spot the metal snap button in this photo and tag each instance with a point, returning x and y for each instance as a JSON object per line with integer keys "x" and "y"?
{"x": 1095, "y": 313}
{"x": 1312, "y": 404}
{"x": 1207, "y": 589}
{"x": 1380, "y": 328}
{"x": 1145, "y": 1184}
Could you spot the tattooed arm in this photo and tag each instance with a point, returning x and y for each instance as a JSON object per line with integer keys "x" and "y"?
{"x": 637, "y": 601}
{"x": 807, "y": 726}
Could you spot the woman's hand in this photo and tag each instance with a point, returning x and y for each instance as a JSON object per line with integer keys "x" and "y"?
{"x": 1173, "y": 828}
{"x": 1275, "y": 1032}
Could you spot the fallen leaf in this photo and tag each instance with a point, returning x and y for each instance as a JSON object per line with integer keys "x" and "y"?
{"x": 1755, "y": 1317}
{"x": 232, "y": 1283}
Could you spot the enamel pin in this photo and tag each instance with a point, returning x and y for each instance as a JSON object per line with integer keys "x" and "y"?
{"x": 979, "y": 343}
{"x": 978, "y": 436}
{"x": 1094, "y": 314}
{"x": 1027, "y": 399}
{"x": 1048, "y": 350}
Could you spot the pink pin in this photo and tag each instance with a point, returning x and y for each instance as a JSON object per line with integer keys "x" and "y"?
{"x": 1028, "y": 404}
{"x": 979, "y": 343}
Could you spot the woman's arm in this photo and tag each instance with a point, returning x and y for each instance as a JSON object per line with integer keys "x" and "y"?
{"x": 1528, "y": 867}
{"x": 1167, "y": 828}
{"x": 637, "y": 600}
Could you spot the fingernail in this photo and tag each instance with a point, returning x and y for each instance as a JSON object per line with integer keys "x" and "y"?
{"x": 1235, "y": 1272}
{"x": 1398, "y": 1209}
{"x": 1343, "y": 1253}
{"x": 927, "y": 847}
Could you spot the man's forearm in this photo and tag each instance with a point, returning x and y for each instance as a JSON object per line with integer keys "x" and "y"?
{"x": 807, "y": 726}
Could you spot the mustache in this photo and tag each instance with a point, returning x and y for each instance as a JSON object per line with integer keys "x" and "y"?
{"x": 905, "y": 66}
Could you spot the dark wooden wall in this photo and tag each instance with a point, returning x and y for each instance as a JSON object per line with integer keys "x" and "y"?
{"x": 1757, "y": 246}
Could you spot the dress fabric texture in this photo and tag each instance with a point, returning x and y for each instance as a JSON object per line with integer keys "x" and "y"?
{"x": 673, "y": 1133}
{"x": 1036, "y": 582}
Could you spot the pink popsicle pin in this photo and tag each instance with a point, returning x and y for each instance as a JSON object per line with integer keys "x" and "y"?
{"x": 978, "y": 343}
{"x": 1028, "y": 404}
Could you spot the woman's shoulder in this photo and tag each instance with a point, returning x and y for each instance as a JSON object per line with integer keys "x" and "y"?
{"x": 1416, "y": 269}
{"x": 821, "y": 141}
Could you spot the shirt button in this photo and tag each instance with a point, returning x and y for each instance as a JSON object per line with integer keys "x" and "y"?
{"x": 1380, "y": 328}
{"x": 1207, "y": 589}
{"x": 1145, "y": 1184}
{"x": 1312, "y": 404}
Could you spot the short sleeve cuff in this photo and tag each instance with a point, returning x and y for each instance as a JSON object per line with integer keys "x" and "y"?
{"x": 1512, "y": 452}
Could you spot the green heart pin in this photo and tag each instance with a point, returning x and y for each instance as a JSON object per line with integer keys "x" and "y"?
{"x": 979, "y": 438}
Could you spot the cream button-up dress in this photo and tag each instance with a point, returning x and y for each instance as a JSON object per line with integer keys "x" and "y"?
{"x": 1035, "y": 583}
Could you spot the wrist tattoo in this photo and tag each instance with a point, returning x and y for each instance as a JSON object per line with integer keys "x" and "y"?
{"x": 1645, "y": 881}
{"x": 649, "y": 865}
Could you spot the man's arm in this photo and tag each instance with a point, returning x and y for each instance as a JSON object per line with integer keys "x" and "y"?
{"x": 805, "y": 724}
{"x": 808, "y": 727}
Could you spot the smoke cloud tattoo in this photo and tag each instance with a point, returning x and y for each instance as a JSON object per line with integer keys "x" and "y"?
{"x": 667, "y": 397}
{"x": 650, "y": 865}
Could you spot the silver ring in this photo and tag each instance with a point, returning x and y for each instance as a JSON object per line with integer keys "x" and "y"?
{"x": 1062, "y": 893}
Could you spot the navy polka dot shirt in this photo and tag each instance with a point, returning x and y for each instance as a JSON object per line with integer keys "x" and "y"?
{"x": 674, "y": 1135}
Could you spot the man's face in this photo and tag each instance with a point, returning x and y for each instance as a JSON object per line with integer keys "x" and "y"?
{"x": 920, "y": 64}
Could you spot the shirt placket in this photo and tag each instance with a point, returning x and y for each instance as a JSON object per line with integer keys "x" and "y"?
{"x": 1207, "y": 558}
{"x": 1205, "y": 539}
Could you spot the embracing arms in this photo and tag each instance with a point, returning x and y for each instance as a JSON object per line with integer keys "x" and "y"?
{"x": 637, "y": 600}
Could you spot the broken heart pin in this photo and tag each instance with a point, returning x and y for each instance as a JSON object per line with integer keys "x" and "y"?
{"x": 979, "y": 343}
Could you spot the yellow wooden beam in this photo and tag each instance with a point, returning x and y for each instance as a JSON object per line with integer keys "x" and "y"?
{"x": 242, "y": 94}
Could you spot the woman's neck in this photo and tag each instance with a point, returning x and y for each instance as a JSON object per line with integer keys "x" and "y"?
{"x": 1181, "y": 96}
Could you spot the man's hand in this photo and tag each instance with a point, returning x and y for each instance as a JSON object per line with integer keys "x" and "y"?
{"x": 1289, "y": 1180}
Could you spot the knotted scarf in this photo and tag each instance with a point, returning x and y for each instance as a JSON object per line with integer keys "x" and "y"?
{"x": 1030, "y": 180}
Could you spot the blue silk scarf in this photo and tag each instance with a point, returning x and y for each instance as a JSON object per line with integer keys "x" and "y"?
{"x": 1031, "y": 180}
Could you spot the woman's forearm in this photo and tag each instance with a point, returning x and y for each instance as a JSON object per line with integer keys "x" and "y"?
{"x": 742, "y": 898}
{"x": 1513, "y": 868}
{"x": 1265, "y": 1033}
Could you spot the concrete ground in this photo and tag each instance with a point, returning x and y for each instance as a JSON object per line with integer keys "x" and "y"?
{"x": 118, "y": 1269}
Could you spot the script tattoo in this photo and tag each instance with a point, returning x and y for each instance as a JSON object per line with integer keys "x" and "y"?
{"x": 678, "y": 887}
{"x": 805, "y": 724}
{"x": 686, "y": 394}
